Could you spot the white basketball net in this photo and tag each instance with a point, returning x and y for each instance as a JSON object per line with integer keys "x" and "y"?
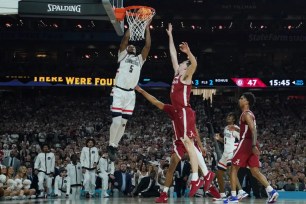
{"x": 137, "y": 23}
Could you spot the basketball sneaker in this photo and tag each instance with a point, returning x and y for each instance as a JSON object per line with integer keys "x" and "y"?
{"x": 242, "y": 194}
{"x": 213, "y": 191}
{"x": 273, "y": 195}
{"x": 231, "y": 199}
{"x": 112, "y": 153}
{"x": 208, "y": 179}
{"x": 163, "y": 198}
{"x": 195, "y": 185}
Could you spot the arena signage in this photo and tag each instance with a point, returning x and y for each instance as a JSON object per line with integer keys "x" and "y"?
{"x": 61, "y": 8}
{"x": 72, "y": 81}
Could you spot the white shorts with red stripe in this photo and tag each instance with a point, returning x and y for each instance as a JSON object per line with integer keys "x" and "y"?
{"x": 226, "y": 159}
{"x": 123, "y": 101}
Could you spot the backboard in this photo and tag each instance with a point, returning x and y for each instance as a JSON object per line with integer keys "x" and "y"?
{"x": 76, "y": 9}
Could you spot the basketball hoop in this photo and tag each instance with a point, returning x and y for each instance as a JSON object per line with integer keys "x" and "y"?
{"x": 137, "y": 18}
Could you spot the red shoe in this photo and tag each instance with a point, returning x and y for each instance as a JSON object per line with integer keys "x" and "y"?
{"x": 195, "y": 185}
{"x": 163, "y": 198}
{"x": 208, "y": 179}
{"x": 213, "y": 191}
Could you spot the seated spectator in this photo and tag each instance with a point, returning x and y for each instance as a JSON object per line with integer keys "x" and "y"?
{"x": 123, "y": 180}
{"x": 161, "y": 178}
{"x": 141, "y": 173}
{"x": 281, "y": 182}
{"x": 289, "y": 186}
{"x": 147, "y": 186}
{"x": 26, "y": 183}
{"x": 299, "y": 186}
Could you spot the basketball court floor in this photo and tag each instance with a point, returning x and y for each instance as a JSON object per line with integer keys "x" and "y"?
{"x": 142, "y": 201}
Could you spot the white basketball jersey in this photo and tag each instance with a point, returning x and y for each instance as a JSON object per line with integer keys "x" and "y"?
{"x": 229, "y": 139}
{"x": 128, "y": 73}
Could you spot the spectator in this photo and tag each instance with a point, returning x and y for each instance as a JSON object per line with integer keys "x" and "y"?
{"x": 182, "y": 173}
{"x": 289, "y": 186}
{"x": 12, "y": 161}
{"x": 123, "y": 180}
{"x": 147, "y": 186}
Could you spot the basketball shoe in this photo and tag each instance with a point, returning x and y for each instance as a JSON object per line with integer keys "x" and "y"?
{"x": 163, "y": 198}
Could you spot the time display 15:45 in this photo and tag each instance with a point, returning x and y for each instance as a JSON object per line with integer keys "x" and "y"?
{"x": 276, "y": 82}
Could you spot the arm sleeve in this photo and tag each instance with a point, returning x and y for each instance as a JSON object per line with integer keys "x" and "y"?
{"x": 82, "y": 157}
{"x": 52, "y": 163}
{"x": 141, "y": 61}
{"x": 121, "y": 55}
{"x": 112, "y": 168}
{"x": 37, "y": 162}
{"x": 68, "y": 185}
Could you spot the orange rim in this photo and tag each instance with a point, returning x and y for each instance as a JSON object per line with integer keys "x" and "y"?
{"x": 121, "y": 12}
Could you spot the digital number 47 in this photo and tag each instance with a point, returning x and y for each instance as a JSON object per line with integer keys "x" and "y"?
{"x": 252, "y": 82}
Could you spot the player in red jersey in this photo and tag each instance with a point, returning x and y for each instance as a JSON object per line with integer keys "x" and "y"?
{"x": 183, "y": 116}
{"x": 178, "y": 149}
{"x": 247, "y": 153}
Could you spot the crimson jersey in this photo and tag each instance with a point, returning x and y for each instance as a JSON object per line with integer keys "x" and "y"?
{"x": 245, "y": 132}
{"x": 180, "y": 93}
{"x": 183, "y": 121}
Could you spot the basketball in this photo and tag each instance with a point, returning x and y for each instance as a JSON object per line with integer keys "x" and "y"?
{"x": 144, "y": 13}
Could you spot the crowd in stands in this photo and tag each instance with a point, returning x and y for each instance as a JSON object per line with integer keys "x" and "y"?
{"x": 63, "y": 125}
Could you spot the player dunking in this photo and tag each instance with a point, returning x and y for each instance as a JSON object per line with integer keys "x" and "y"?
{"x": 231, "y": 137}
{"x": 123, "y": 94}
{"x": 247, "y": 151}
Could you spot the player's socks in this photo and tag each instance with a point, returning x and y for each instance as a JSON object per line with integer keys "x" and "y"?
{"x": 194, "y": 176}
{"x": 114, "y": 130}
{"x": 120, "y": 131}
{"x": 166, "y": 189}
{"x": 269, "y": 189}
{"x": 201, "y": 161}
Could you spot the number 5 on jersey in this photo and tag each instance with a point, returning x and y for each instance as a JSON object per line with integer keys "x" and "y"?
{"x": 131, "y": 69}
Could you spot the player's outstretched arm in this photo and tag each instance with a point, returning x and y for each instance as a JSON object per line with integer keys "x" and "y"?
{"x": 150, "y": 98}
{"x": 147, "y": 46}
{"x": 125, "y": 40}
{"x": 192, "y": 67}
{"x": 173, "y": 53}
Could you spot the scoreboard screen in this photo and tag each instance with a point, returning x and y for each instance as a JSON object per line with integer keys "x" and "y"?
{"x": 150, "y": 82}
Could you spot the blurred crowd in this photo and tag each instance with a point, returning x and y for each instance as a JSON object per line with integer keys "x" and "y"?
{"x": 63, "y": 125}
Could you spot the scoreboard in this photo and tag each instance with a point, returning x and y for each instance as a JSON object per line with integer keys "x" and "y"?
{"x": 249, "y": 82}
{"x": 151, "y": 82}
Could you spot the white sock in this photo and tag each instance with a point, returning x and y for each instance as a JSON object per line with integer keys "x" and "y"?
{"x": 240, "y": 191}
{"x": 234, "y": 193}
{"x": 114, "y": 130}
{"x": 222, "y": 195}
{"x": 120, "y": 132}
{"x": 269, "y": 189}
{"x": 201, "y": 161}
{"x": 166, "y": 189}
{"x": 194, "y": 176}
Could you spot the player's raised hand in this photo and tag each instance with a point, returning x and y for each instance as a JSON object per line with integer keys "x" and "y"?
{"x": 169, "y": 30}
{"x": 184, "y": 47}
